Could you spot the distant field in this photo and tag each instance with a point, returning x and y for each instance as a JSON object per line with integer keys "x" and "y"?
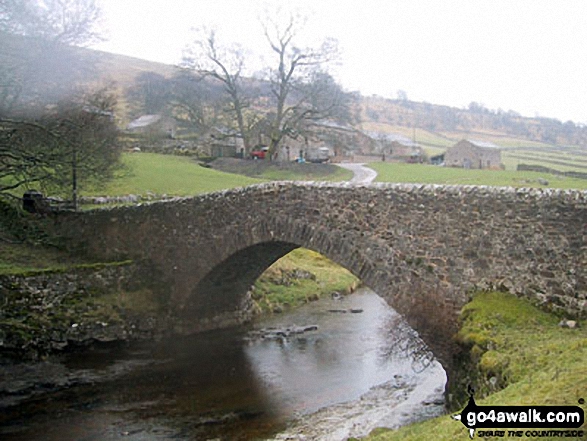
{"x": 433, "y": 151}
{"x": 496, "y": 138}
{"x": 558, "y": 158}
{"x": 430, "y": 174}
{"x": 422, "y": 136}
{"x": 171, "y": 175}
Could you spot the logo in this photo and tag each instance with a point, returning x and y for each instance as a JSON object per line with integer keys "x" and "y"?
{"x": 475, "y": 417}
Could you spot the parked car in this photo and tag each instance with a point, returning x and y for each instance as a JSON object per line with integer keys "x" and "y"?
{"x": 259, "y": 152}
{"x": 318, "y": 155}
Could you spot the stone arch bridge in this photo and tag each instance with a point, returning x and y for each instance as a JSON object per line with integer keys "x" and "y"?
{"x": 422, "y": 248}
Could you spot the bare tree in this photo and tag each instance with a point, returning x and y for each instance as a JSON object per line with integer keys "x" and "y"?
{"x": 197, "y": 102}
{"x": 225, "y": 65}
{"x": 26, "y": 154}
{"x": 87, "y": 136}
{"x": 293, "y": 74}
{"x": 300, "y": 92}
{"x": 150, "y": 94}
{"x": 47, "y": 138}
{"x": 61, "y": 149}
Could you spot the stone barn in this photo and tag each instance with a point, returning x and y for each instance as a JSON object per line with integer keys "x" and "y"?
{"x": 398, "y": 148}
{"x": 473, "y": 154}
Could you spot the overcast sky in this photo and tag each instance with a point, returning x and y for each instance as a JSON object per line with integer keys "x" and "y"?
{"x": 524, "y": 55}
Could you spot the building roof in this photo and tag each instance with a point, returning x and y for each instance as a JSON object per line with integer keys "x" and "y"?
{"x": 483, "y": 144}
{"x": 393, "y": 137}
{"x": 334, "y": 125}
{"x": 143, "y": 121}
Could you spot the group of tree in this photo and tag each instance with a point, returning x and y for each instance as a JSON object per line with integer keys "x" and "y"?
{"x": 212, "y": 90}
{"x": 55, "y": 135}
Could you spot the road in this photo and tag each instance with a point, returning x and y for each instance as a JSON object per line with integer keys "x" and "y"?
{"x": 362, "y": 174}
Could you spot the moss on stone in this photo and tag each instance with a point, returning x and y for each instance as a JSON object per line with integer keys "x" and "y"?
{"x": 532, "y": 361}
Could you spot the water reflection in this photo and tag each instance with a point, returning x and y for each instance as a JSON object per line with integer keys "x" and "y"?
{"x": 224, "y": 384}
{"x": 343, "y": 359}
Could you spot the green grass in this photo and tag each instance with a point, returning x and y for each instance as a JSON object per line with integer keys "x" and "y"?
{"x": 424, "y": 137}
{"x": 561, "y": 161}
{"x": 23, "y": 258}
{"x": 339, "y": 174}
{"x": 429, "y": 174}
{"x": 540, "y": 363}
{"x": 277, "y": 289}
{"x": 171, "y": 175}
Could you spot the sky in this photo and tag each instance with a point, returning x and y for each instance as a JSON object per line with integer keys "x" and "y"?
{"x": 529, "y": 56}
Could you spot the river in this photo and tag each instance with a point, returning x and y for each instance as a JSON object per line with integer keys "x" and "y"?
{"x": 325, "y": 371}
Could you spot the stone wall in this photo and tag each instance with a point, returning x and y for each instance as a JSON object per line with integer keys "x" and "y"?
{"x": 552, "y": 171}
{"x": 43, "y": 311}
{"x": 394, "y": 237}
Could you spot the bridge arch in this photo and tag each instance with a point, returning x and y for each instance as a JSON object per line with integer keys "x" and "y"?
{"x": 220, "y": 293}
{"x": 245, "y": 259}
{"x": 393, "y": 237}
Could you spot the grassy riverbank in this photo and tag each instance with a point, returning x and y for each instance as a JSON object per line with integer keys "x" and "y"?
{"x": 300, "y": 277}
{"x": 532, "y": 359}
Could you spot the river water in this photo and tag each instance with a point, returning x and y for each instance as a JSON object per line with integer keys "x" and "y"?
{"x": 326, "y": 371}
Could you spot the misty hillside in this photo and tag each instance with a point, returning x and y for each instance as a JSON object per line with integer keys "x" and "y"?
{"x": 507, "y": 129}
{"x": 433, "y": 126}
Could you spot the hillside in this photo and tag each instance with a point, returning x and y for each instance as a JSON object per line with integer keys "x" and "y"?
{"x": 542, "y": 141}
{"x": 534, "y": 141}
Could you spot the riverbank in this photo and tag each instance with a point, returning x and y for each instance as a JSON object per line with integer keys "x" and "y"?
{"x": 51, "y": 309}
{"x": 300, "y": 277}
{"x": 520, "y": 356}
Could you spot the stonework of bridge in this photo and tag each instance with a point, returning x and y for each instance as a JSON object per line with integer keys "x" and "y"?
{"x": 407, "y": 242}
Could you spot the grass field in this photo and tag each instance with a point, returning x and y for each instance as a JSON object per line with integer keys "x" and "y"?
{"x": 538, "y": 362}
{"x": 181, "y": 176}
{"x": 430, "y": 174}
{"x": 423, "y": 137}
{"x": 339, "y": 174}
{"x": 561, "y": 159}
{"x": 166, "y": 174}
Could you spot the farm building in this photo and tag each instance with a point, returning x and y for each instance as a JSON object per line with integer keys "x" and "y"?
{"x": 398, "y": 148}
{"x": 153, "y": 126}
{"x": 222, "y": 142}
{"x": 473, "y": 154}
{"x": 344, "y": 141}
